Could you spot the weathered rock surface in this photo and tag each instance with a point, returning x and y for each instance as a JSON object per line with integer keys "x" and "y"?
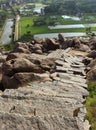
{"x": 45, "y": 86}
{"x": 55, "y": 103}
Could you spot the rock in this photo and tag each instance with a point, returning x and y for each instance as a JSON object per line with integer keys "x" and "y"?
{"x": 48, "y": 64}
{"x": 36, "y": 48}
{"x": 84, "y": 48}
{"x": 2, "y": 58}
{"x": 38, "y": 40}
{"x": 38, "y": 51}
{"x": 52, "y": 44}
{"x": 21, "y": 50}
{"x": 21, "y": 45}
{"x": 43, "y": 101}
{"x": 62, "y": 39}
{"x": 19, "y": 80}
{"x": 86, "y": 61}
{"x": 14, "y": 55}
{"x": 92, "y": 54}
{"x": 92, "y": 63}
{"x": 19, "y": 65}
{"x": 76, "y": 42}
{"x": 91, "y": 75}
{"x": 93, "y": 43}
{"x": 9, "y": 82}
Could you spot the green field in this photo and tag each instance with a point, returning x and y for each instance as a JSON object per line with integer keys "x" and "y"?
{"x": 27, "y": 25}
{"x": 91, "y": 104}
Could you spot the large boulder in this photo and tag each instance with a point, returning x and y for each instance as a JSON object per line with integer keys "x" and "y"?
{"x": 18, "y": 80}
{"x": 22, "y": 45}
{"x": 37, "y": 48}
{"x": 92, "y": 63}
{"x": 86, "y": 61}
{"x": 62, "y": 39}
{"x": 11, "y": 56}
{"x": 91, "y": 75}
{"x": 76, "y": 42}
{"x": 92, "y": 43}
{"x": 52, "y": 44}
{"x": 84, "y": 48}
{"x": 92, "y": 54}
{"x": 21, "y": 50}
{"x": 19, "y": 65}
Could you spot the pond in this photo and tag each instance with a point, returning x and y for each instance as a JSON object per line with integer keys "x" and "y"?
{"x": 51, "y": 35}
{"x": 5, "y": 38}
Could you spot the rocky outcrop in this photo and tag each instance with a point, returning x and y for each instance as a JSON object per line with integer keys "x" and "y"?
{"x": 50, "y": 104}
{"x": 44, "y": 85}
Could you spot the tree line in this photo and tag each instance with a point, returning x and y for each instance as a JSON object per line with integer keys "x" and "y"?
{"x": 71, "y": 7}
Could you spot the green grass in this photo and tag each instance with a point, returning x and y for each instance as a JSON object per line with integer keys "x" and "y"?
{"x": 27, "y": 25}
{"x": 44, "y": 28}
{"x": 91, "y": 104}
{"x": 7, "y": 47}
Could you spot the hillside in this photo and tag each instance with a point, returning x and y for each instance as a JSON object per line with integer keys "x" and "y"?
{"x": 44, "y": 86}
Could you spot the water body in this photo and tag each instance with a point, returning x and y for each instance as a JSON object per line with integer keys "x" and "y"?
{"x": 5, "y": 39}
{"x": 51, "y": 35}
{"x": 71, "y": 17}
{"x": 37, "y": 9}
{"x": 72, "y": 26}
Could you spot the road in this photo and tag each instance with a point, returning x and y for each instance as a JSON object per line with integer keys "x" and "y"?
{"x": 5, "y": 38}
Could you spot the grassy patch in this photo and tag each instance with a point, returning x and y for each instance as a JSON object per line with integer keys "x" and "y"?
{"x": 91, "y": 104}
{"x": 27, "y": 25}
{"x": 7, "y": 47}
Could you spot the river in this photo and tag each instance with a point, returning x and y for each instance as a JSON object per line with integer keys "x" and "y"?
{"x": 5, "y": 38}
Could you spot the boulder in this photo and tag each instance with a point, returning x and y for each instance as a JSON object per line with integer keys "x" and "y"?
{"x": 22, "y": 45}
{"x": 14, "y": 55}
{"x": 84, "y": 48}
{"x": 93, "y": 43}
{"x": 91, "y": 75}
{"x": 92, "y": 54}
{"x": 76, "y": 42}
{"x": 18, "y": 80}
{"x": 2, "y": 58}
{"x": 38, "y": 51}
{"x": 52, "y": 44}
{"x": 38, "y": 40}
{"x": 19, "y": 65}
{"x": 86, "y": 61}
{"x": 47, "y": 64}
{"x": 21, "y": 50}
{"x": 62, "y": 39}
{"x": 92, "y": 63}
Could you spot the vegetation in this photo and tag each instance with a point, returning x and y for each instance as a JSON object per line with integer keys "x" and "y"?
{"x": 7, "y": 47}
{"x": 91, "y": 104}
{"x": 3, "y": 16}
